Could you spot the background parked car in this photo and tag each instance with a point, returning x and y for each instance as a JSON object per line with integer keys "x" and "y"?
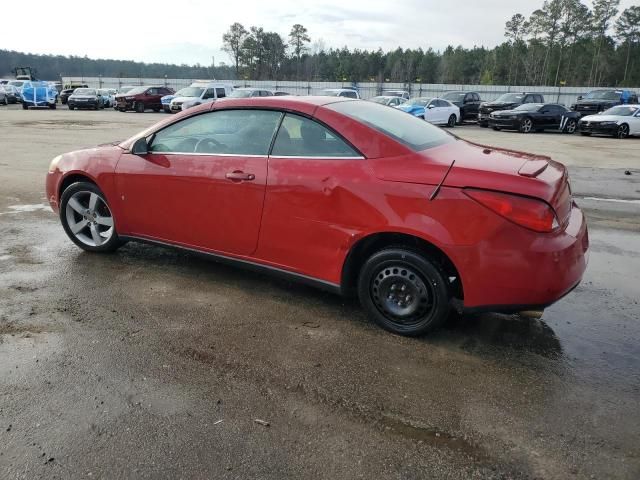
{"x": 433, "y": 110}
{"x": 68, "y": 90}
{"x": 142, "y": 98}
{"x": 508, "y": 101}
{"x": 601, "y": 100}
{"x": 396, "y": 93}
{"x": 389, "y": 101}
{"x": 200, "y": 93}
{"x": 341, "y": 92}
{"x": 3, "y": 97}
{"x": 12, "y": 93}
{"x": 280, "y": 93}
{"x": 535, "y": 117}
{"x": 38, "y": 94}
{"x": 620, "y": 121}
{"x": 467, "y": 102}
{"x": 108, "y": 96}
{"x": 17, "y": 84}
{"x": 246, "y": 92}
{"x": 85, "y": 98}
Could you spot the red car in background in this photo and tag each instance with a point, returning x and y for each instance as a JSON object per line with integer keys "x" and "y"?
{"x": 142, "y": 98}
{"x": 347, "y": 195}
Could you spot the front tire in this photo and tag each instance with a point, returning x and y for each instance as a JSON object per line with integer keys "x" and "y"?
{"x": 403, "y": 292}
{"x": 623, "y": 131}
{"x": 571, "y": 127}
{"x": 452, "y": 121}
{"x": 526, "y": 125}
{"x": 140, "y": 107}
{"x": 87, "y": 218}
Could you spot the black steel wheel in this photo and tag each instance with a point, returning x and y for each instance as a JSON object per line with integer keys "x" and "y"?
{"x": 403, "y": 292}
{"x": 452, "y": 121}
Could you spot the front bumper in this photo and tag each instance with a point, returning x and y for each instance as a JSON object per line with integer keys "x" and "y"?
{"x": 540, "y": 271}
{"x": 508, "y": 123}
{"x": 124, "y": 104}
{"x": 88, "y": 104}
{"x": 597, "y": 128}
{"x": 175, "y": 108}
{"x": 166, "y": 107}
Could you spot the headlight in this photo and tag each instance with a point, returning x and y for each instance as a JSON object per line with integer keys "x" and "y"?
{"x": 608, "y": 124}
{"x": 128, "y": 98}
{"x": 54, "y": 164}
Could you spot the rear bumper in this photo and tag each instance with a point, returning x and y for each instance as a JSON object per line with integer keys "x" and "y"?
{"x": 543, "y": 269}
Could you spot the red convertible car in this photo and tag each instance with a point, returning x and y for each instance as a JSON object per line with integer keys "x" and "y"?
{"x": 344, "y": 194}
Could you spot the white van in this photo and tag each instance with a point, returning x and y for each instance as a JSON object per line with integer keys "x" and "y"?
{"x": 199, "y": 93}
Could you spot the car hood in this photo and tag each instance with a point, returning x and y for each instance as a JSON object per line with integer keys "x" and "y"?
{"x": 167, "y": 98}
{"x": 410, "y": 108}
{"x": 601, "y": 118}
{"x": 83, "y": 97}
{"x": 508, "y": 112}
{"x": 184, "y": 99}
{"x": 504, "y": 105}
{"x": 476, "y": 166}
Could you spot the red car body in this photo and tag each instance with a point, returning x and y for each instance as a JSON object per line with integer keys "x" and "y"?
{"x": 313, "y": 217}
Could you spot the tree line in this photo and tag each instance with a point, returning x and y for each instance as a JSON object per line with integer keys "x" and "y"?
{"x": 565, "y": 42}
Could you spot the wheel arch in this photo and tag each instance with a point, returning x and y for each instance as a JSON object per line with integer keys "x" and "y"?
{"x": 74, "y": 177}
{"x": 368, "y": 245}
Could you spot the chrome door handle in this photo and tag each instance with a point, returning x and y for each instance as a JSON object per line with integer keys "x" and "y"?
{"x": 238, "y": 176}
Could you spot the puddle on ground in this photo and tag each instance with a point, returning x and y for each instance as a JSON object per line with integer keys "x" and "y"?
{"x": 431, "y": 436}
{"x": 38, "y": 207}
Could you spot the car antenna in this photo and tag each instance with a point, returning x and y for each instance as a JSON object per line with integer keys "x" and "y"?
{"x": 439, "y": 186}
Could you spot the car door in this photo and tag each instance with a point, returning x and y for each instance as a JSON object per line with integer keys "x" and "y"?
{"x": 202, "y": 182}
{"x": 634, "y": 124}
{"x": 309, "y": 201}
{"x": 431, "y": 112}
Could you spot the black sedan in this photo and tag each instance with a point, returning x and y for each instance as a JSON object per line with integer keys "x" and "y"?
{"x": 535, "y": 117}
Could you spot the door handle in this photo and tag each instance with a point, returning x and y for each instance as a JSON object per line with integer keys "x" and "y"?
{"x": 238, "y": 176}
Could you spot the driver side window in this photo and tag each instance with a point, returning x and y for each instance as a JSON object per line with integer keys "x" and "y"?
{"x": 233, "y": 132}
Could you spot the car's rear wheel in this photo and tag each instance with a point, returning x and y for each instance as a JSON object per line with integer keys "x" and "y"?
{"x": 140, "y": 107}
{"x": 526, "y": 125}
{"x": 403, "y": 292}
{"x": 623, "y": 131}
{"x": 87, "y": 218}
{"x": 452, "y": 121}
{"x": 25, "y": 106}
{"x": 70, "y": 107}
{"x": 52, "y": 106}
{"x": 571, "y": 126}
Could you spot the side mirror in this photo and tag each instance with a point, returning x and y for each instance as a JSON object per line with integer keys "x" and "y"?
{"x": 140, "y": 147}
{"x": 579, "y": 97}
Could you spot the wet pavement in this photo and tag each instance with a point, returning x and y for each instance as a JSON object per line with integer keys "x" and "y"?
{"x": 156, "y": 363}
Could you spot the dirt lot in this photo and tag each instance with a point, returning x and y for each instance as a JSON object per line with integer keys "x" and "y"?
{"x": 155, "y": 363}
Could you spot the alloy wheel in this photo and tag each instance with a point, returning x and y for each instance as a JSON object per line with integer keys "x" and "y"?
{"x": 623, "y": 131}
{"x": 89, "y": 218}
{"x": 571, "y": 126}
{"x": 526, "y": 125}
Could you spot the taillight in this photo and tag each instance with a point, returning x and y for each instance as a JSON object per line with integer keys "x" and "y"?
{"x": 526, "y": 212}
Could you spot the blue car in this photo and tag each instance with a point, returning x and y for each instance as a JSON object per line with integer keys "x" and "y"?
{"x": 39, "y": 94}
{"x": 166, "y": 103}
{"x": 414, "y": 106}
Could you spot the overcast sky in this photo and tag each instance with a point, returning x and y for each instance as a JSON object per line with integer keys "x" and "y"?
{"x": 190, "y": 31}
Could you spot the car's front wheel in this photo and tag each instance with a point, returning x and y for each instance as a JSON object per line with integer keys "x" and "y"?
{"x": 403, "y": 292}
{"x": 452, "y": 121}
{"x": 87, "y": 218}
{"x": 571, "y": 126}
{"x": 140, "y": 107}
{"x": 623, "y": 131}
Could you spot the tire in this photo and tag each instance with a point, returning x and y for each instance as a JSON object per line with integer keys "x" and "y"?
{"x": 483, "y": 125}
{"x": 403, "y": 292}
{"x": 623, "y": 131}
{"x": 94, "y": 228}
{"x": 25, "y": 106}
{"x": 140, "y": 107}
{"x": 452, "y": 121}
{"x": 497, "y": 129}
{"x": 526, "y": 125}
{"x": 156, "y": 110}
{"x": 585, "y": 134}
{"x": 571, "y": 126}
{"x": 70, "y": 107}
{"x": 52, "y": 107}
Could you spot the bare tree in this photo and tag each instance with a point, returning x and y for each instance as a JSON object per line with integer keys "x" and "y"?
{"x": 233, "y": 41}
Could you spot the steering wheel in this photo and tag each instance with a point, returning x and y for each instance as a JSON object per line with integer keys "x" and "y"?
{"x": 209, "y": 141}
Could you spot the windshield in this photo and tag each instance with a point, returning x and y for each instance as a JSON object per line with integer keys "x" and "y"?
{"x": 241, "y": 93}
{"x": 104, "y": 92}
{"x": 382, "y": 100}
{"x": 191, "y": 92}
{"x": 416, "y": 102}
{"x": 406, "y": 129}
{"x": 529, "y": 107}
{"x": 126, "y": 89}
{"x": 622, "y": 111}
{"x": 395, "y": 93}
{"x": 510, "y": 98}
{"x": 454, "y": 96}
{"x": 331, "y": 93}
{"x": 603, "y": 95}
{"x": 136, "y": 90}
{"x": 16, "y": 83}
{"x": 84, "y": 91}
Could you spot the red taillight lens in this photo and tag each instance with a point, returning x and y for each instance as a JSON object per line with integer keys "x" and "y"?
{"x": 527, "y": 212}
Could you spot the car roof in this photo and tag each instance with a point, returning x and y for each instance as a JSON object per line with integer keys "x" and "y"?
{"x": 288, "y": 102}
